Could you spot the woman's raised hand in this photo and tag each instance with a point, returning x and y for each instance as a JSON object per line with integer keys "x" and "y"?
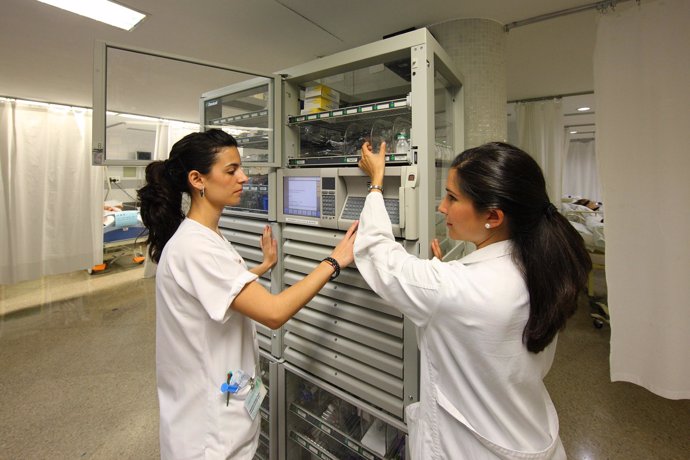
{"x": 436, "y": 249}
{"x": 374, "y": 164}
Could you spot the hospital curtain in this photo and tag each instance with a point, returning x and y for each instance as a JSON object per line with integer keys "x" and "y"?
{"x": 641, "y": 75}
{"x": 169, "y": 132}
{"x": 51, "y": 197}
{"x": 540, "y": 133}
{"x": 580, "y": 173}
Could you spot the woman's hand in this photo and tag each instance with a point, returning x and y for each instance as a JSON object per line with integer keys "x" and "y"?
{"x": 344, "y": 252}
{"x": 269, "y": 246}
{"x": 436, "y": 249}
{"x": 374, "y": 164}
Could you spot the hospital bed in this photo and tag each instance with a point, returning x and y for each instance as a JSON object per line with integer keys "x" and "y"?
{"x": 590, "y": 225}
{"x": 124, "y": 234}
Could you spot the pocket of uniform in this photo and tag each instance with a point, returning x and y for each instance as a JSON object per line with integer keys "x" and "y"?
{"x": 243, "y": 393}
{"x": 500, "y": 451}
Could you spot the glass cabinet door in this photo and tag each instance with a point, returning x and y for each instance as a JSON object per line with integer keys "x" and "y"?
{"x": 245, "y": 111}
{"x": 145, "y": 100}
{"x": 321, "y": 424}
{"x": 256, "y": 195}
{"x": 444, "y": 153}
{"x": 264, "y": 449}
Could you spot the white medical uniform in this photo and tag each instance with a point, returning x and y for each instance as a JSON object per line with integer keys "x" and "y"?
{"x": 481, "y": 391}
{"x": 198, "y": 340}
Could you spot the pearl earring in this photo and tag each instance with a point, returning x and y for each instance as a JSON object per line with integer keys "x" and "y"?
{"x": 487, "y": 226}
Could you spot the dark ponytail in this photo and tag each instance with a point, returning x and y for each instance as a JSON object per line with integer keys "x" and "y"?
{"x": 166, "y": 181}
{"x": 549, "y": 251}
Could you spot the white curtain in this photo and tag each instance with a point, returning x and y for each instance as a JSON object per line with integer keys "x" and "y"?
{"x": 540, "y": 133}
{"x": 641, "y": 75}
{"x": 167, "y": 133}
{"x": 51, "y": 197}
{"x": 580, "y": 172}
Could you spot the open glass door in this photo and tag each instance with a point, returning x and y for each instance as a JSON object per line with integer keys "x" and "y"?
{"x": 144, "y": 101}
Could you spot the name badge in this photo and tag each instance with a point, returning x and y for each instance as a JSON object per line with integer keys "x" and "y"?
{"x": 255, "y": 397}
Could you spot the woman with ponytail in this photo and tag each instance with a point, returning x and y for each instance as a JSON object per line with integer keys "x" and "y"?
{"x": 207, "y": 300}
{"x": 487, "y": 323}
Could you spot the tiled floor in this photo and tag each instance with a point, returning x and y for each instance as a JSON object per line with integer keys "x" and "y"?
{"x": 77, "y": 379}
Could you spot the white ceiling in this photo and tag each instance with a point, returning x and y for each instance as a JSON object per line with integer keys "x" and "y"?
{"x": 47, "y": 54}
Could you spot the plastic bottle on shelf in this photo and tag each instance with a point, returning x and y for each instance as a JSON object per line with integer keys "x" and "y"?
{"x": 402, "y": 144}
{"x": 331, "y": 415}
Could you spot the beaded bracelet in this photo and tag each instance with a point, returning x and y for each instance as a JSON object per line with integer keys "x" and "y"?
{"x": 336, "y": 266}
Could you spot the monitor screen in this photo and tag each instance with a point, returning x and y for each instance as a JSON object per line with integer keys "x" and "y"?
{"x": 301, "y": 196}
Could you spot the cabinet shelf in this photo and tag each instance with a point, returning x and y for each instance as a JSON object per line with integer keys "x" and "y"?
{"x": 255, "y": 188}
{"x": 311, "y": 446}
{"x": 392, "y": 159}
{"x": 374, "y": 109}
{"x": 248, "y": 119}
{"x": 253, "y": 141}
{"x": 333, "y": 432}
{"x": 334, "y": 137}
{"x": 262, "y": 452}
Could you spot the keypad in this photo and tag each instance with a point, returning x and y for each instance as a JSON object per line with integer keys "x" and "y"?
{"x": 354, "y": 205}
{"x": 328, "y": 204}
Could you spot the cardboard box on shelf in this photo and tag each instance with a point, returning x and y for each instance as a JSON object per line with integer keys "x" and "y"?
{"x": 308, "y": 111}
{"x": 319, "y": 103}
{"x": 322, "y": 91}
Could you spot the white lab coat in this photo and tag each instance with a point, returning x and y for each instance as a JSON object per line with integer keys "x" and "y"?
{"x": 481, "y": 391}
{"x": 198, "y": 340}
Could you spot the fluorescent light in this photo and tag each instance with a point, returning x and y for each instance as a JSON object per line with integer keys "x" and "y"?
{"x": 139, "y": 117}
{"x": 583, "y": 109}
{"x": 101, "y": 10}
{"x": 573, "y": 132}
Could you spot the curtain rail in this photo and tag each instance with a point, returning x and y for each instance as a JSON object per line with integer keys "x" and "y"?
{"x": 548, "y": 98}
{"x": 602, "y": 6}
{"x": 44, "y": 102}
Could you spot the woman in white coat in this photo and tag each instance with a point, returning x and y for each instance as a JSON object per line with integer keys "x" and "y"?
{"x": 486, "y": 324}
{"x": 206, "y": 299}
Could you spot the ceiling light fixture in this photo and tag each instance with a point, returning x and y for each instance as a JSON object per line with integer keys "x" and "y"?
{"x": 583, "y": 109}
{"x": 573, "y": 132}
{"x": 101, "y": 10}
{"x": 139, "y": 117}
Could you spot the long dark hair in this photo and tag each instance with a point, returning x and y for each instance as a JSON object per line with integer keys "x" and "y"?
{"x": 166, "y": 181}
{"x": 549, "y": 252}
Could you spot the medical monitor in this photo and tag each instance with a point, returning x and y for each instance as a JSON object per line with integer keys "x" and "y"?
{"x": 302, "y": 196}
{"x": 334, "y": 197}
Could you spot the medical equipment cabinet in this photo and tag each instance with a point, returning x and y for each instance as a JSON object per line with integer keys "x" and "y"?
{"x": 345, "y": 367}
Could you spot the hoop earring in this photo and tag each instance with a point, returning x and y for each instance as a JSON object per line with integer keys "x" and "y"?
{"x": 202, "y": 192}
{"x": 486, "y": 225}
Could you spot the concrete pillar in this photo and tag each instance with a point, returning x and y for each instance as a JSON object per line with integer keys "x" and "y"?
{"x": 478, "y": 47}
